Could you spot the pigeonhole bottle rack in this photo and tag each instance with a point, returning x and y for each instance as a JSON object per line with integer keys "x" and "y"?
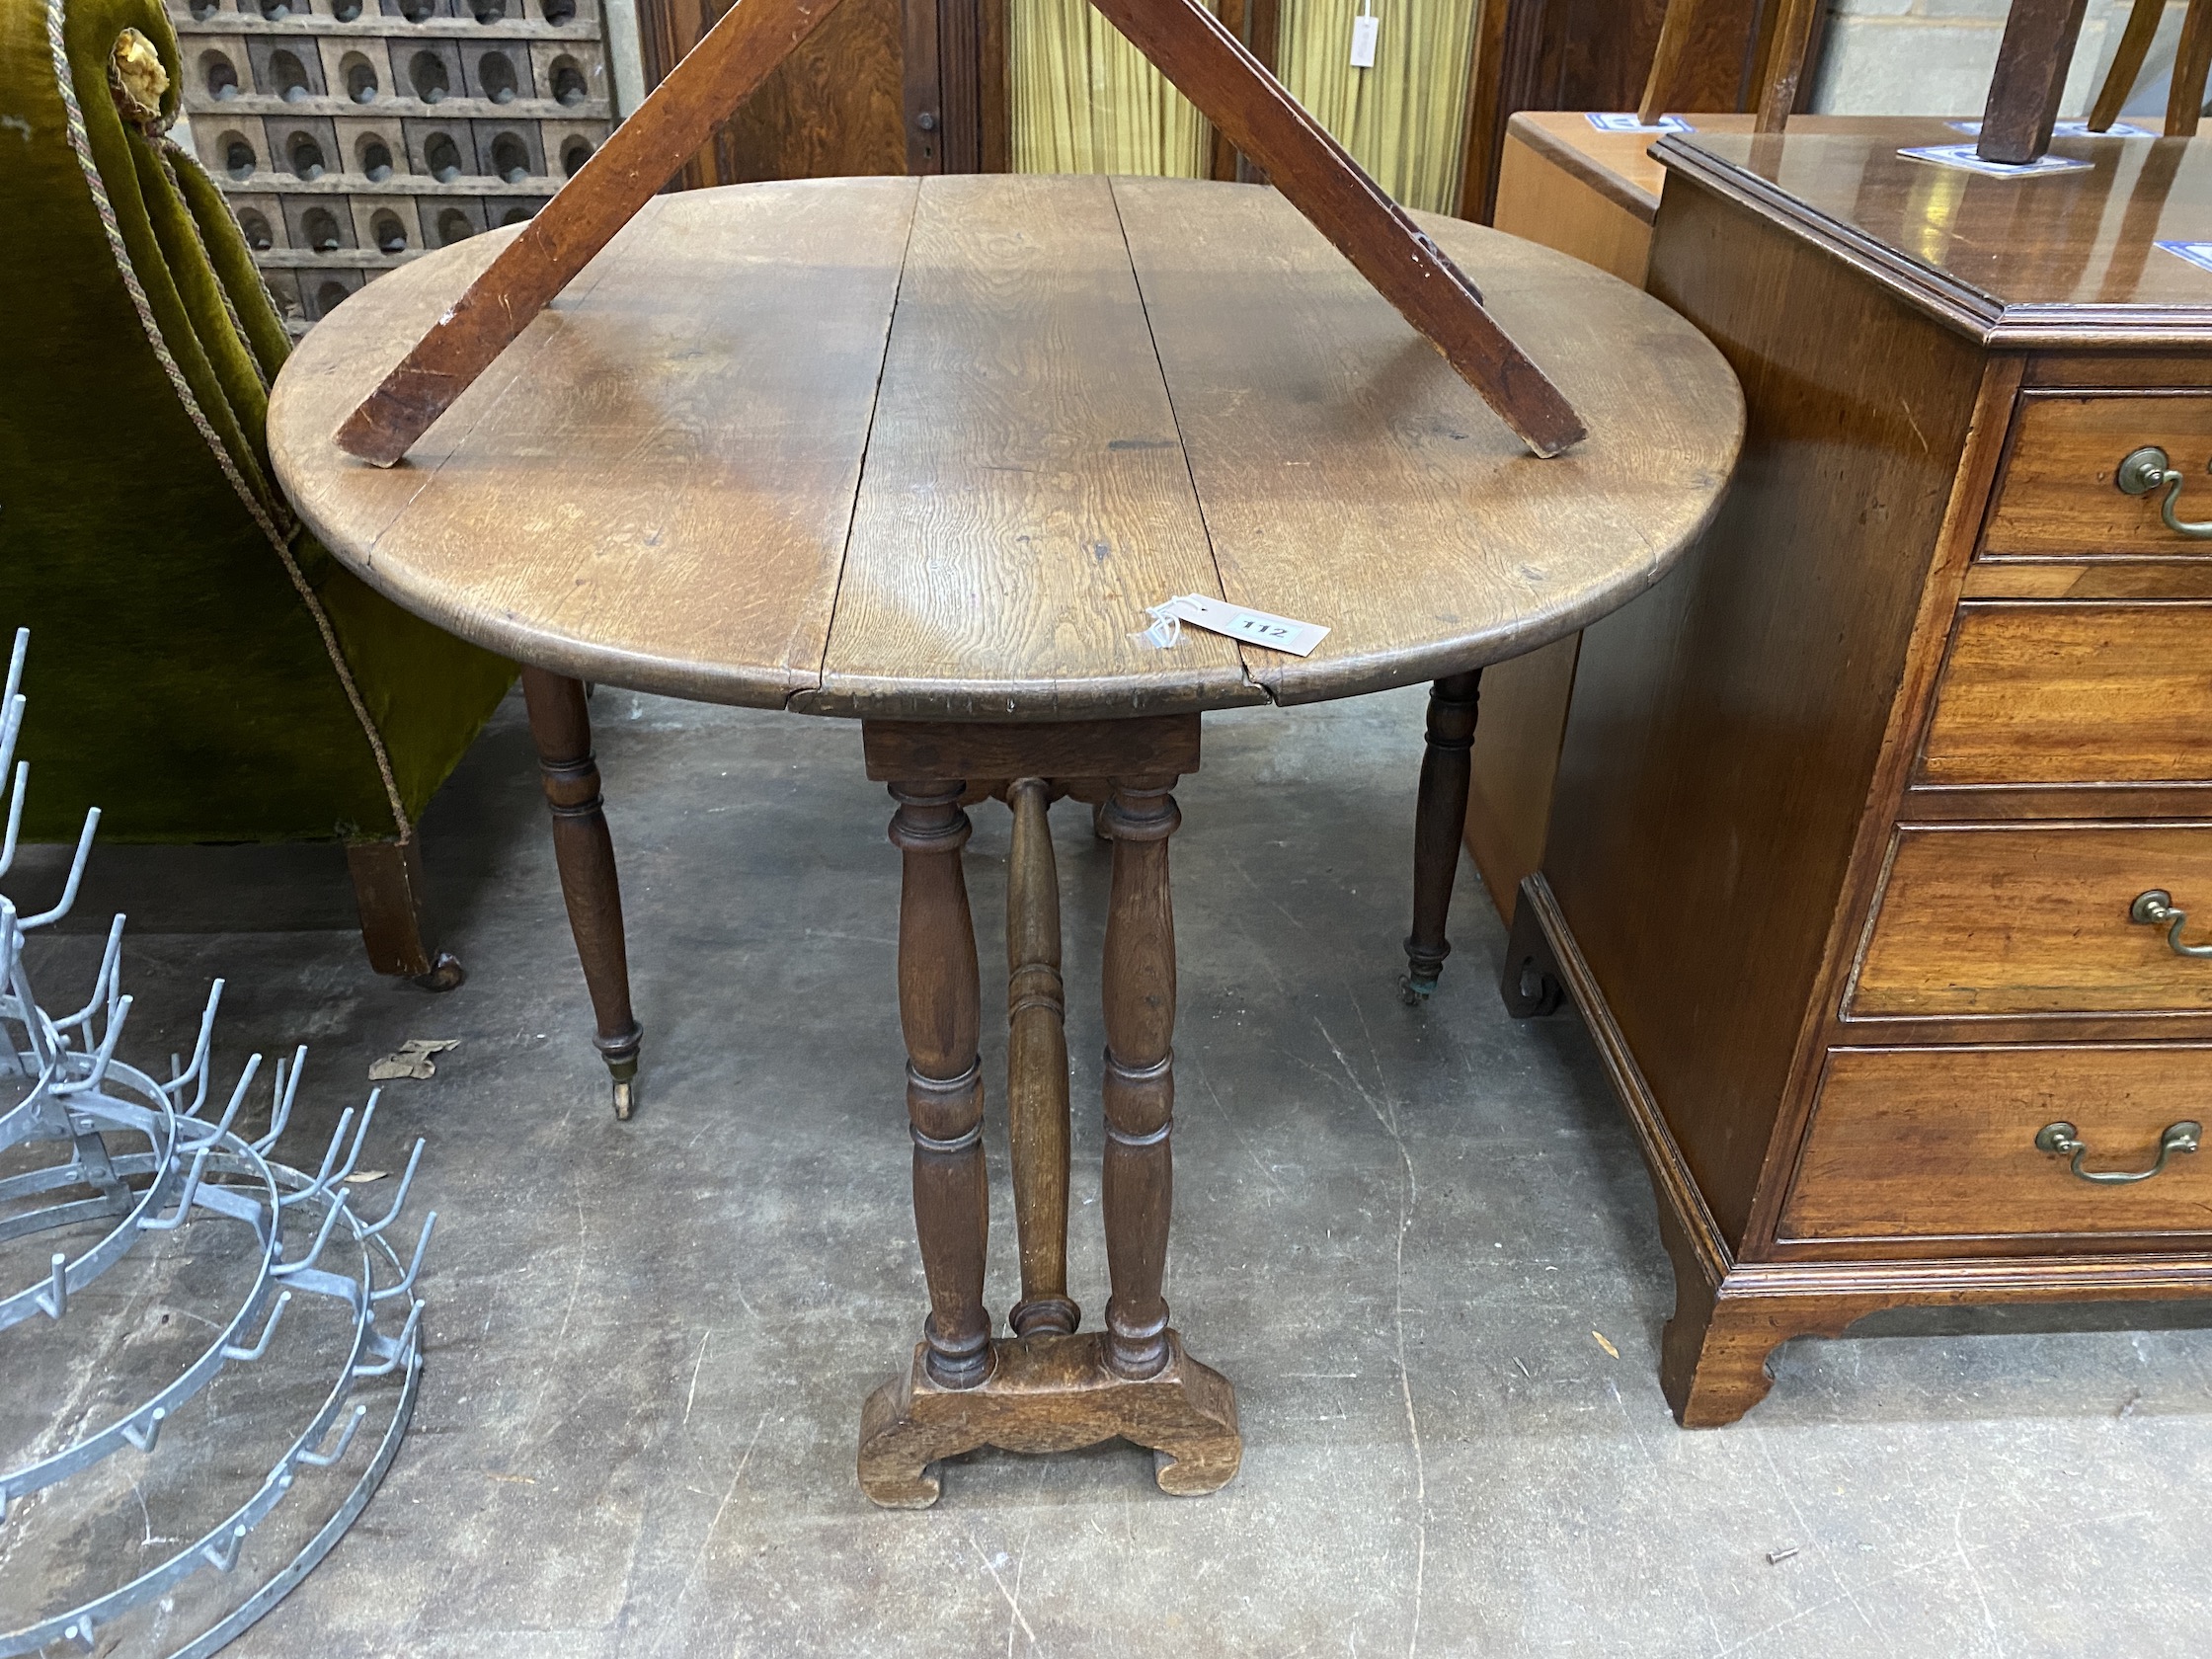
{"x": 353, "y": 135}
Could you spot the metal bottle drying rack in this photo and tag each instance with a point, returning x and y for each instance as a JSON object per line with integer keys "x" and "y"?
{"x": 290, "y": 1233}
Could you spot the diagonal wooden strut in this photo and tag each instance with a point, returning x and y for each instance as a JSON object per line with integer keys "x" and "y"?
{"x": 1181, "y": 37}
{"x": 640, "y": 156}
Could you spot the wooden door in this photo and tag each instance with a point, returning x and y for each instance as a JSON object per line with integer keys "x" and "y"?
{"x": 883, "y": 85}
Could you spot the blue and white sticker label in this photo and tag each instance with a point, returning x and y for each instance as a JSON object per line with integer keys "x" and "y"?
{"x": 2067, "y": 130}
{"x": 2198, "y": 253}
{"x": 1964, "y": 158}
{"x": 1625, "y": 121}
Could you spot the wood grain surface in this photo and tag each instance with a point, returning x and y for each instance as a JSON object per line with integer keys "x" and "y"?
{"x": 1918, "y": 1143}
{"x": 1214, "y": 69}
{"x": 640, "y": 156}
{"x": 719, "y": 468}
{"x": 665, "y": 497}
{"x": 2032, "y": 918}
{"x": 1025, "y": 497}
{"x": 2058, "y": 498}
{"x": 2074, "y": 694}
{"x": 1349, "y": 478}
{"x": 1721, "y": 741}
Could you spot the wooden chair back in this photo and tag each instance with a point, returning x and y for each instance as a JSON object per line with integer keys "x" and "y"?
{"x": 1697, "y": 33}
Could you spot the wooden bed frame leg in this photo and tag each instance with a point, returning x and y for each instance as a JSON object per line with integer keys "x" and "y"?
{"x": 1440, "y": 819}
{"x": 561, "y": 726}
{"x": 396, "y": 921}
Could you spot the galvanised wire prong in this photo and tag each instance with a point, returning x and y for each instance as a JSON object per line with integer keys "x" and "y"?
{"x": 285, "y": 1269}
{"x": 324, "y": 1459}
{"x": 238, "y": 1095}
{"x": 401, "y": 1344}
{"x": 414, "y": 1267}
{"x": 232, "y": 1351}
{"x": 314, "y": 1188}
{"x": 76, "y": 876}
{"x": 154, "y": 1223}
{"x": 406, "y": 1180}
{"x": 280, "y": 1101}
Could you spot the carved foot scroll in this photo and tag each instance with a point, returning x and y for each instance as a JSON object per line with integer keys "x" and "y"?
{"x": 1050, "y": 1393}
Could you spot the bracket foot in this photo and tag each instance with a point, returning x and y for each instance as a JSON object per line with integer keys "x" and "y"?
{"x": 1051, "y": 1393}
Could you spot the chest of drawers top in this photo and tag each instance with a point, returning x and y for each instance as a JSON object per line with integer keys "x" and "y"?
{"x": 2069, "y": 258}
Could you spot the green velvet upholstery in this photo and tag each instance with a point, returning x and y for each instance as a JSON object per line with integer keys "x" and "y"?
{"x": 189, "y": 688}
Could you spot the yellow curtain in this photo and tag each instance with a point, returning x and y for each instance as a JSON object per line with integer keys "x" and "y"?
{"x": 1405, "y": 119}
{"x": 1083, "y": 100}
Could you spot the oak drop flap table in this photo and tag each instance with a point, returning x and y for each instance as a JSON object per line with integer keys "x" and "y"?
{"x": 922, "y": 452}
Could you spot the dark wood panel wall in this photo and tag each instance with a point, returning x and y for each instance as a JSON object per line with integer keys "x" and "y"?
{"x": 842, "y": 103}
{"x": 1596, "y": 55}
{"x": 919, "y": 86}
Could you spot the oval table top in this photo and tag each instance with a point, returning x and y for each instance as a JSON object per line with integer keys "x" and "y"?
{"x": 929, "y": 447}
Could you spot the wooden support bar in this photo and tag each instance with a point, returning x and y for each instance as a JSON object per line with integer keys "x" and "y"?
{"x": 1321, "y": 180}
{"x": 1182, "y": 37}
{"x": 1785, "y": 65}
{"x": 638, "y": 158}
{"x": 1037, "y": 1065}
{"x": 2023, "y": 93}
{"x": 2193, "y": 55}
{"x": 2127, "y": 62}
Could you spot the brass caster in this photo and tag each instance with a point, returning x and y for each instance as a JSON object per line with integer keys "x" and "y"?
{"x": 446, "y": 974}
{"x": 625, "y": 1098}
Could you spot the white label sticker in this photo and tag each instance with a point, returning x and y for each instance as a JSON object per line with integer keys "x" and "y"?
{"x": 1238, "y": 622}
{"x": 1625, "y": 121}
{"x": 1966, "y": 159}
{"x": 1365, "y": 28}
{"x": 2198, "y": 253}
{"x": 2066, "y": 130}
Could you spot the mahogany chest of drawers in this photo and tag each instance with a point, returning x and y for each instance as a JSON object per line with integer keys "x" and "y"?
{"x": 1875, "y": 821}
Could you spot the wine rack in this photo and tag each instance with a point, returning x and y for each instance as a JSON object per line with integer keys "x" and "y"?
{"x": 353, "y": 135}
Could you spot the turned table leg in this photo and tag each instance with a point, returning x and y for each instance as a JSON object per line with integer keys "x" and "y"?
{"x": 940, "y": 1010}
{"x": 1439, "y": 821}
{"x": 1139, "y": 1088}
{"x": 1037, "y": 1065}
{"x": 561, "y": 726}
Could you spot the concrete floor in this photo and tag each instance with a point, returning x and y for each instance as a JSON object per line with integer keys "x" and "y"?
{"x": 1418, "y": 1240}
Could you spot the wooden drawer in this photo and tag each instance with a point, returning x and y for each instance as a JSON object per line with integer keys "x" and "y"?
{"x": 1999, "y": 919}
{"x": 2074, "y": 693}
{"x": 2057, "y": 498}
{"x": 1940, "y": 1143}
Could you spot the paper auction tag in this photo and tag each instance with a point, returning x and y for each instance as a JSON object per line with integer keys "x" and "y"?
{"x": 1238, "y": 622}
{"x": 1365, "y": 28}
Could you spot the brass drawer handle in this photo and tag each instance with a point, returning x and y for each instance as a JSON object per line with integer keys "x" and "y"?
{"x": 2155, "y": 908}
{"x": 2142, "y": 471}
{"x": 2063, "y": 1138}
